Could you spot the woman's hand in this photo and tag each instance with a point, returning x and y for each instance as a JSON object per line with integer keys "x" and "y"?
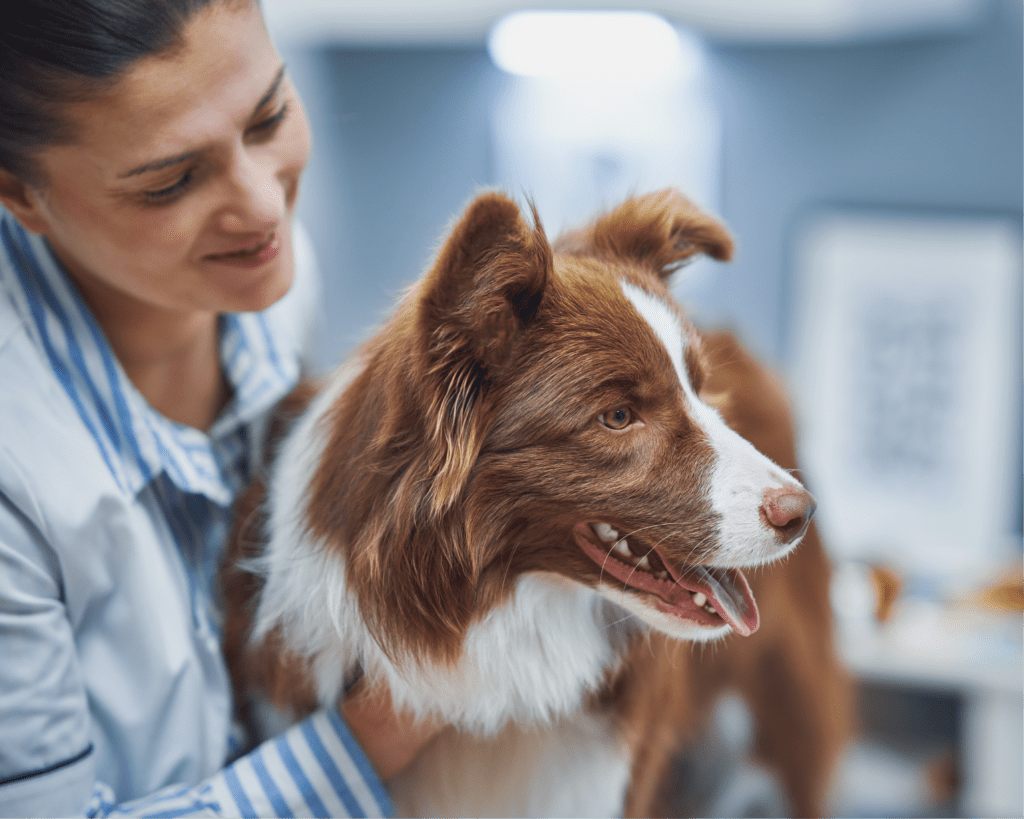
{"x": 390, "y": 739}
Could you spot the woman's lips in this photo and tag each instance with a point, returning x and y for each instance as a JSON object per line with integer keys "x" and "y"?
{"x": 253, "y": 255}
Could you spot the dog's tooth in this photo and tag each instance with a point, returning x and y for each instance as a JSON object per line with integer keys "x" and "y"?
{"x": 710, "y": 609}
{"x": 622, "y": 548}
{"x": 606, "y": 532}
{"x": 699, "y": 599}
{"x": 644, "y": 563}
{"x": 662, "y": 575}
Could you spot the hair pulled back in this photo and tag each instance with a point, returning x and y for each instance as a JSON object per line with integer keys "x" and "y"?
{"x": 57, "y": 52}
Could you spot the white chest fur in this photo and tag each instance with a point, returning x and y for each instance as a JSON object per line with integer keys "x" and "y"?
{"x": 575, "y": 766}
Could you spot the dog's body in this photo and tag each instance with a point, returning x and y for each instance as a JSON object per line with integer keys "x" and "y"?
{"x": 512, "y": 505}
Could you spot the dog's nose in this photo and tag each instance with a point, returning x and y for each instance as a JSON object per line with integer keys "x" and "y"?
{"x": 788, "y": 511}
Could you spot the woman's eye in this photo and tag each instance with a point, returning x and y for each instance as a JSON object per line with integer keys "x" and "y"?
{"x": 171, "y": 191}
{"x": 269, "y": 124}
{"x": 617, "y": 419}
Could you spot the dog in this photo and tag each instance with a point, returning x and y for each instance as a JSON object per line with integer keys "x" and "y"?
{"x": 514, "y": 506}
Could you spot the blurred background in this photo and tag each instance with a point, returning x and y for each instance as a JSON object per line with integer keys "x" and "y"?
{"x": 868, "y": 157}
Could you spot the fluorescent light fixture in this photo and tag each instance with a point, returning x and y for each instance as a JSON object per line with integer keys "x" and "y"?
{"x": 600, "y": 45}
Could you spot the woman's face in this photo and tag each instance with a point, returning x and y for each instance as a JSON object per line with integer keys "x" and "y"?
{"x": 179, "y": 188}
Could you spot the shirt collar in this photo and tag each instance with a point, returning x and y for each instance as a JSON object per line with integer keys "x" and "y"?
{"x": 136, "y": 442}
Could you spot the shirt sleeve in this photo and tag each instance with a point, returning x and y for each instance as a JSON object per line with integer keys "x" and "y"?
{"x": 315, "y": 768}
{"x": 47, "y": 762}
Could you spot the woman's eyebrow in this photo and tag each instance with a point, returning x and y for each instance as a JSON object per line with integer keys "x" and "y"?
{"x": 158, "y": 164}
{"x": 271, "y": 91}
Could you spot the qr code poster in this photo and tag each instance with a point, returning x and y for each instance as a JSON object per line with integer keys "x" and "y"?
{"x": 907, "y": 371}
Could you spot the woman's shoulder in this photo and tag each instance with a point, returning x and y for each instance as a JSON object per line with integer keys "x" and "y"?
{"x": 48, "y": 461}
{"x": 36, "y": 350}
{"x": 31, "y": 385}
{"x": 11, "y": 320}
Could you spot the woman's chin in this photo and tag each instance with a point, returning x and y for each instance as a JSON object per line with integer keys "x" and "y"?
{"x": 255, "y": 289}
{"x": 269, "y": 292}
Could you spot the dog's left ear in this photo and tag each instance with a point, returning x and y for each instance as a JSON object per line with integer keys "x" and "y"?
{"x": 661, "y": 231}
{"x": 481, "y": 294}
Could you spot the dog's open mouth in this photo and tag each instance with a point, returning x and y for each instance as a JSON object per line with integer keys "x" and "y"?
{"x": 707, "y": 595}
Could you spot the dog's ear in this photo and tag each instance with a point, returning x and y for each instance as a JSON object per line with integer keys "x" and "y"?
{"x": 661, "y": 231}
{"x": 481, "y": 294}
{"x": 486, "y": 284}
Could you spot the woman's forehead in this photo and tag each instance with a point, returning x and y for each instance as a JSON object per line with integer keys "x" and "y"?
{"x": 169, "y": 104}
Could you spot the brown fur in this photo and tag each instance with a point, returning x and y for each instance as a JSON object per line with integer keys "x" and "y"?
{"x": 465, "y": 451}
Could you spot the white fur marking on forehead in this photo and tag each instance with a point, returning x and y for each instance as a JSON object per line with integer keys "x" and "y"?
{"x": 668, "y": 327}
{"x": 665, "y": 323}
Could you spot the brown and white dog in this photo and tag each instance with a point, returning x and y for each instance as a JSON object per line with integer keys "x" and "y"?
{"x": 509, "y": 506}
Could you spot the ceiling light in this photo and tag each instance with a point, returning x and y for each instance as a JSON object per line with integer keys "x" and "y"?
{"x": 599, "y": 45}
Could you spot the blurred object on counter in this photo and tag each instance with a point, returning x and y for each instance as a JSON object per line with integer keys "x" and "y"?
{"x": 1004, "y": 593}
{"x": 888, "y": 585}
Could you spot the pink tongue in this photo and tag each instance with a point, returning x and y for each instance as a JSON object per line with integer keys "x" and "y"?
{"x": 730, "y": 595}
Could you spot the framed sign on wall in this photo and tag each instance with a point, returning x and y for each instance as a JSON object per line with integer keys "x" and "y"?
{"x": 907, "y": 372}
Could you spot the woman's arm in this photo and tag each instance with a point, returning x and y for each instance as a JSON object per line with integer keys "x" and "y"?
{"x": 315, "y": 768}
{"x": 48, "y": 761}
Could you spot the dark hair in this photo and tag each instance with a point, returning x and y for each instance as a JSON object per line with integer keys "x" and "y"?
{"x": 55, "y": 52}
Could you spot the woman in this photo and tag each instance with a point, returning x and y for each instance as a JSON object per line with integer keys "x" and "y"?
{"x": 150, "y": 156}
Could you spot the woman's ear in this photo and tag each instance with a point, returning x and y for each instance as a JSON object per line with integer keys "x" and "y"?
{"x": 660, "y": 231}
{"x": 22, "y": 201}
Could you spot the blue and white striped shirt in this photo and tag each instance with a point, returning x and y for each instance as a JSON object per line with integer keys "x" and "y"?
{"x": 114, "y": 697}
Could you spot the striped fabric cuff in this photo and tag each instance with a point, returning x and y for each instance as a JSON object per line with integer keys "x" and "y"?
{"x": 315, "y": 768}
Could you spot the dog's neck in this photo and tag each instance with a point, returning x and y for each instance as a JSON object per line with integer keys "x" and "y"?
{"x": 532, "y": 659}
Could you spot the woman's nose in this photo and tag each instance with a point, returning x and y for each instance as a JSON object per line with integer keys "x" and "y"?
{"x": 256, "y": 197}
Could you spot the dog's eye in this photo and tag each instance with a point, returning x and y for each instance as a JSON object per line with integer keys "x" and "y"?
{"x": 617, "y": 418}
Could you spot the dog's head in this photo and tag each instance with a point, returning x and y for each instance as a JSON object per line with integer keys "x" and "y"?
{"x": 539, "y": 409}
